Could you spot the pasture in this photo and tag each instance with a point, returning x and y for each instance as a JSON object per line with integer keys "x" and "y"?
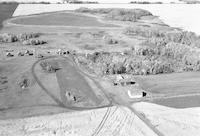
{"x": 180, "y": 102}
{"x": 171, "y": 84}
{"x": 181, "y": 89}
{"x": 61, "y": 19}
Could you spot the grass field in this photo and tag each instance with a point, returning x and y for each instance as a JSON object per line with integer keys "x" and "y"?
{"x": 176, "y": 83}
{"x": 16, "y": 102}
{"x": 70, "y": 80}
{"x": 6, "y": 11}
{"x": 182, "y": 85}
{"x": 62, "y": 19}
{"x": 180, "y": 102}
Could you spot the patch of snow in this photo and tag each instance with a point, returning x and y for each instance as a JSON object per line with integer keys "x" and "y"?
{"x": 171, "y": 121}
{"x": 119, "y": 121}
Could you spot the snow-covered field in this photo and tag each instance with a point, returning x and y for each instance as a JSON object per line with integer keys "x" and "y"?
{"x": 170, "y": 121}
{"x": 115, "y": 121}
{"x": 184, "y": 16}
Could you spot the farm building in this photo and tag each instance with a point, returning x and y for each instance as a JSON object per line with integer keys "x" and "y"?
{"x": 121, "y": 80}
{"x": 136, "y": 94}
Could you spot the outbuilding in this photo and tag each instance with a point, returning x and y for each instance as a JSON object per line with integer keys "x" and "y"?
{"x": 9, "y": 54}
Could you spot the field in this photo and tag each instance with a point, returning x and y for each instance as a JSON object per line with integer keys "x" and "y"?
{"x": 171, "y": 84}
{"x": 168, "y": 13}
{"x": 48, "y": 91}
{"x": 77, "y": 85}
{"x": 16, "y": 102}
{"x": 178, "y": 121}
{"x": 61, "y": 19}
{"x": 82, "y": 68}
{"x": 6, "y": 11}
{"x": 177, "y": 90}
{"x": 180, "y": 102}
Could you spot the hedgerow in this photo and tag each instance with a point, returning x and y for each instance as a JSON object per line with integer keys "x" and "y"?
{"x": 25, "y": 38}
{"x": 156, "y": 36}
{"x": 33, "y": 42}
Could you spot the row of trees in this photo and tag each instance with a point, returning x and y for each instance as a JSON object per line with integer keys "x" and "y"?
{"x": 162, "y": 37}
{"x": 145, "y": 2}
{"x": 6, "y": 37}
{"x": 79, "y": 2}
{"x": 16, "y": 2}
{"x": 25, "y": 38}
{"x": 33, "y": 42}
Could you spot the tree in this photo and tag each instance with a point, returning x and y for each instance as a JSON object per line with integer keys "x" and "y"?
{"x": 65, "y": 1}
{"x": 69, "y": 1}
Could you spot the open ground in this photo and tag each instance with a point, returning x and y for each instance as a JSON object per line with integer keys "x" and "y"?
{"x": 63, "y": 77}
{"x": 6, "y": 11}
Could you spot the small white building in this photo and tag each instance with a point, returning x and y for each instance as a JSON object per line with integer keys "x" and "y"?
{"x": 136, "y": 95}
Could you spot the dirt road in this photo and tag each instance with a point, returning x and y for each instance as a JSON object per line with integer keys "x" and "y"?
{"x": 60, "y": 103}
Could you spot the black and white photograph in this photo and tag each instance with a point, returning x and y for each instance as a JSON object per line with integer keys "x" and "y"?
{"x": 99, "y": 67}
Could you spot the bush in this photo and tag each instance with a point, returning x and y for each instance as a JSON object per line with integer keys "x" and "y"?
{"x": 145, "y": 2}
{"x": 49, "y": 67}
{"x": 25, "y": 36}
{"x": 8, "y": 38}
{"x": 161, "y": 67}
{"x": 83, "y": 10}
{"x": 119, "y": 68}
{"x": 160, "y": 37}
{"x": 34, "y": 42}
{"x": 127, "y": 15}
{"x": 111, "y": 41}
{"x": 175, "y": 50}
{"x": 144, "y": 32}
{"x": 11, "y": 2}
{"x": 122, "y": 15}
{"x": 146, "y": 51}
